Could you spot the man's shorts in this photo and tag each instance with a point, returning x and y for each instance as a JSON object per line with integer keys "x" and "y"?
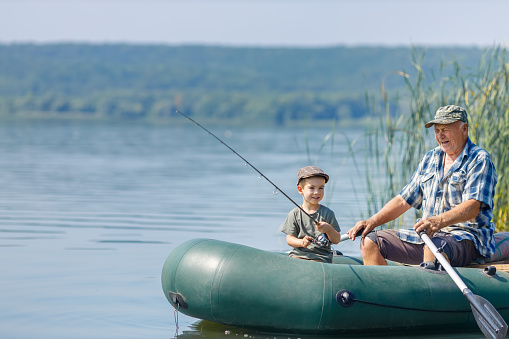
{"x": 460, "y": 253}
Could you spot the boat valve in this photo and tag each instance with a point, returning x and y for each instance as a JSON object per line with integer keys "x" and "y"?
{"x": 345, "y": 298}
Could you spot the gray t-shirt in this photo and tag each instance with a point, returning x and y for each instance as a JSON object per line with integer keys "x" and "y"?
{"x": 299, "y": 225}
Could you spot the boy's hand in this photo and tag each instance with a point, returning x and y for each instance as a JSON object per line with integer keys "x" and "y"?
{"x": 306, "y": 241}
{"x": 323, "y": 227}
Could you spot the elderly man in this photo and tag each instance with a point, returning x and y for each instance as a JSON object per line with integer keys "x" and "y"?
{"x": 455, "y": 186}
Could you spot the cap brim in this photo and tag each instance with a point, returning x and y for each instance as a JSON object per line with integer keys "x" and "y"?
{"x": 442, "y": 121}
{"x": 325, "y": 176}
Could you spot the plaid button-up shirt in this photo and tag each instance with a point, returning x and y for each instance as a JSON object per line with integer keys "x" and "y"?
{"x": 472, "y": 176}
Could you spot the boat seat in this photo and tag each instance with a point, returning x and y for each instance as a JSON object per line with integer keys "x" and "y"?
{"x": 500, "y": 259}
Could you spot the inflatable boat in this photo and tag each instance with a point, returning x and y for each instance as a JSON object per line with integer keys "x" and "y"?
{"x": 245, "y": 287}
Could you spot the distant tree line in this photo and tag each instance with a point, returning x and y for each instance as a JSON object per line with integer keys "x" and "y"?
{"x": 238, "y": 85}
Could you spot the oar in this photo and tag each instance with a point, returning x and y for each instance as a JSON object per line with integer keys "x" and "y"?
{"x": 488, "y": 319}
{"x": 346, "y": 237}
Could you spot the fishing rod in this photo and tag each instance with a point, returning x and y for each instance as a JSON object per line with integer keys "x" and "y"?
{"x": 248, "y": 163}
{"x": 319, "y": 241}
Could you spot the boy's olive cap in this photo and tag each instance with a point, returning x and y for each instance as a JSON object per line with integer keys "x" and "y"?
{"x": 311, "y": 171}
{"x": 447, "y": 115}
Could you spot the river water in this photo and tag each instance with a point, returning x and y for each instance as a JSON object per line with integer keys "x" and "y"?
{"x": 89, "y": 212}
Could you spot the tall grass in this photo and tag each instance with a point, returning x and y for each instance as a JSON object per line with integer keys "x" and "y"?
{"x": 397, "y": 143}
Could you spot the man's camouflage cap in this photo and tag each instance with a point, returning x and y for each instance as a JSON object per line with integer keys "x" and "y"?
{"x": 447, "y": 115}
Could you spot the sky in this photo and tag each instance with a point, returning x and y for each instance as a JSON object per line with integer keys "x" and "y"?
{"x": 266, "y": 23}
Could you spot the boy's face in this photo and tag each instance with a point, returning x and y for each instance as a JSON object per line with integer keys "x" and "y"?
{"x": 312, "y": 189}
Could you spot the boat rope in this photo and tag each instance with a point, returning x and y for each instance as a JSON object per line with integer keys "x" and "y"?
{"x": 176, "y": 319}
{"x": 248, "y": 163}
{"x": 417, "y": 309}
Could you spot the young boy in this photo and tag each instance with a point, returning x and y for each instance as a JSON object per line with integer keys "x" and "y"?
{"x": 300, "y": 229}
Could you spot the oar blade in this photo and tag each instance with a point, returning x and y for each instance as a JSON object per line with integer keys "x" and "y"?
{"x": 488, "y": 319}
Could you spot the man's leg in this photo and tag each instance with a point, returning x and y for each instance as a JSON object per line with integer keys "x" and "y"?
{"x": 379, "y": 246}
{"x": 371, "y": 253}
{"x": 430, "y": 256}
{"x": 458, "y": 253}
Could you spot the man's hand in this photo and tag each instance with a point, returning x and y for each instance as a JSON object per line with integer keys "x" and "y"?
{"x": 363, "y": 226}
{"x": 429, "y": 225}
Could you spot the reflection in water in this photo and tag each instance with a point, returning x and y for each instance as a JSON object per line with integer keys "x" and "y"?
{"x": 207, "y": 329}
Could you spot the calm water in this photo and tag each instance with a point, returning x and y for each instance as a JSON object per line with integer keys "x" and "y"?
{"x": 89, "y": 212}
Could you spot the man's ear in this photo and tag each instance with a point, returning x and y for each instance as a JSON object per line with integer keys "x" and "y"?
{"x": 465, "y": 128}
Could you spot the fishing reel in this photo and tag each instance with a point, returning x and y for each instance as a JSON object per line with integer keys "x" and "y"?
{"x": 321, "y": 240}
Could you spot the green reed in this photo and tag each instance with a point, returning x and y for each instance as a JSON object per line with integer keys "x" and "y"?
{"x": 396, "y": 144}
{"x": 336, "y": 161}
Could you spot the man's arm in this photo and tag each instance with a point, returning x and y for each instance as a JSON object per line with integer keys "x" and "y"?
{"x": 392, "y": 210}
{"x": 465, "y": 211}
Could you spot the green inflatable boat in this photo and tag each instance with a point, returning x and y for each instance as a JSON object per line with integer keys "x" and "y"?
{"x": 265, "y": 291}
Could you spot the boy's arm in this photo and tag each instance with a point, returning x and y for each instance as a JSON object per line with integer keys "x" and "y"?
{"x": 332, "y": 234}
{"x": 296, "y": 242}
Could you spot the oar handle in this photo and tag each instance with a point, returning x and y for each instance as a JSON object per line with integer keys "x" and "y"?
{"x": 346, "y": 237}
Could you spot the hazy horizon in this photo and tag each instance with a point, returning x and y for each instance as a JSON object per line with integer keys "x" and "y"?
{"x": 262, "y": 23}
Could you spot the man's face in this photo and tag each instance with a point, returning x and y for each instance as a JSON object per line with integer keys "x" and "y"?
{"x": 452, "y": 137}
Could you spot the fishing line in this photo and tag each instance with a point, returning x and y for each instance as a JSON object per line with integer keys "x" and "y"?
{"x": 248, "y": 163}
